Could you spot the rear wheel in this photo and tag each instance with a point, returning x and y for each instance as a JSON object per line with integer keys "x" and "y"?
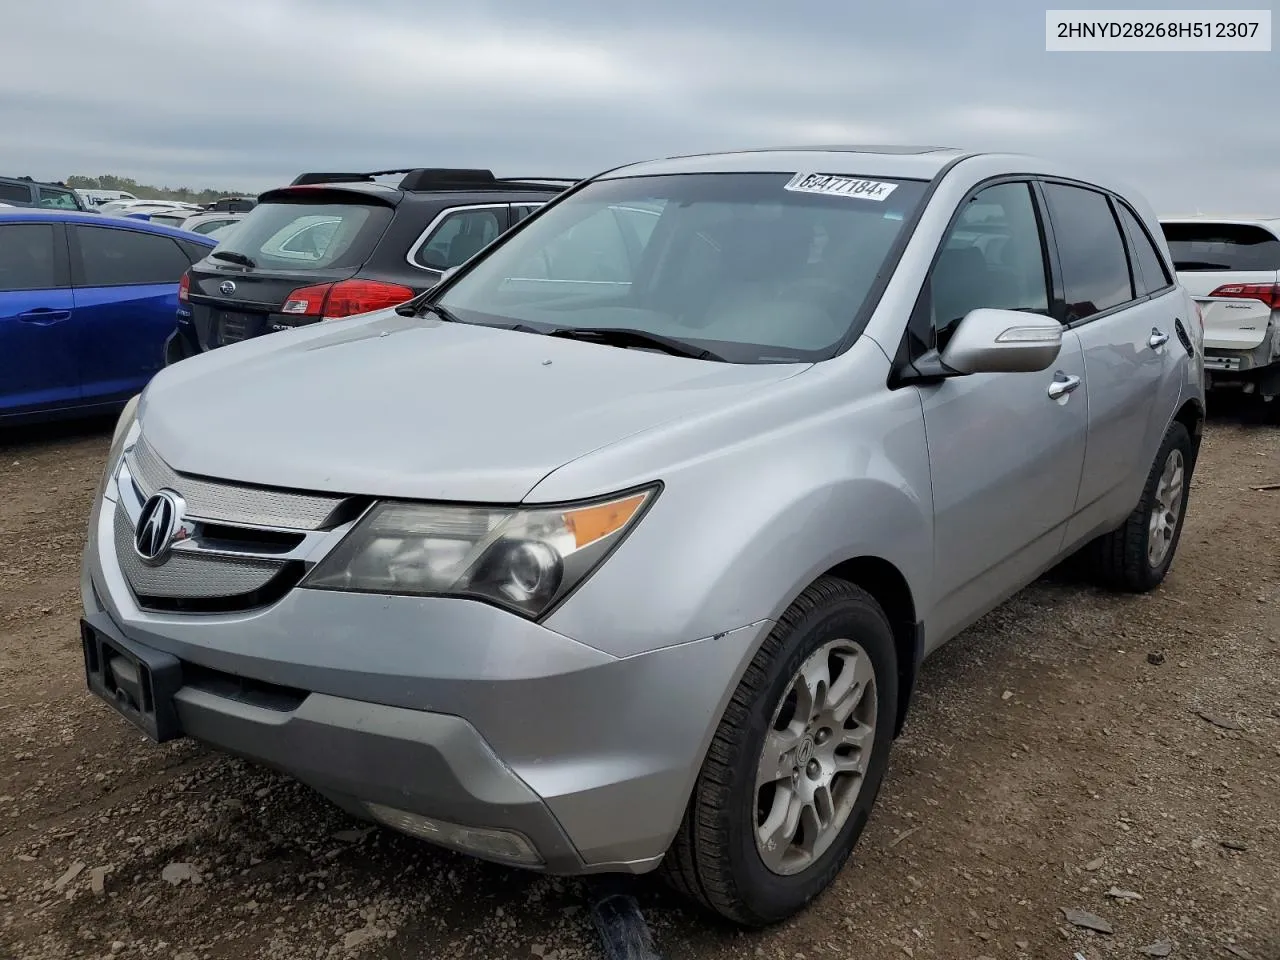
{"x": 796, "y": 763}
{"x": 1136, "y": 557}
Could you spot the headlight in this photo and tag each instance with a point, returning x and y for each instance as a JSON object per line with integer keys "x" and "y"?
{"x": 126, "y": 434}
{"x": 524, "y": 559}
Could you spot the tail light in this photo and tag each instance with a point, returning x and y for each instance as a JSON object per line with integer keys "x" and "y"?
{"x": 184, "y": 286}
{"x": 1268, "y": 293}
{"x": 332, "y": 301}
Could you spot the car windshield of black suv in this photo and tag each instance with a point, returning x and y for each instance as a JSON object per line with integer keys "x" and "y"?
{"x": 749, "y": 267}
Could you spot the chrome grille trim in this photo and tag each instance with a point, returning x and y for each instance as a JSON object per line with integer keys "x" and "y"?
{"x": 189, "y": 576}
{"x": 229, "y": 503}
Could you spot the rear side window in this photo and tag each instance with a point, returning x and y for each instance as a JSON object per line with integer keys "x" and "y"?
{"x": 1095, "y": 268}
{"x": 459, "y": 237}
{"x": 115, "y": 258}
{"x": 1153, "y": 276}
{"x": 309, "y": 236}
{"x": 15, "y": 193}
{"x": 26, "y": 257}
{"x": 1221, "y": 246}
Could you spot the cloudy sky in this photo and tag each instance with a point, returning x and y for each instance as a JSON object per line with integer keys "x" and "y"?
{"x": 245, "y": 94}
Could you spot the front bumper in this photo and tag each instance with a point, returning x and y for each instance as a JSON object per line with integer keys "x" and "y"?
{"x": 448, "y": 709}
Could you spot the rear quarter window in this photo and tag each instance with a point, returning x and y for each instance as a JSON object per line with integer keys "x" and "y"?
{"x": 301, "y": 236}
{"x": 114, "y": 257}
{"x": 1208, "y": 247}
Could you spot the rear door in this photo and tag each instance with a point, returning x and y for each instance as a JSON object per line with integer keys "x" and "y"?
{"x": 273, "y": 269}
{"x": 1127, "y": 342}
{"x": 126, "y": 303}
{"x": 1232, "y": 269}
{"x": 38, "y": 366}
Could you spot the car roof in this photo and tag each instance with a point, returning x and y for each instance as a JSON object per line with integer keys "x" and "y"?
{"x": 910, "y": 162}
{"x": 39, "y": 215}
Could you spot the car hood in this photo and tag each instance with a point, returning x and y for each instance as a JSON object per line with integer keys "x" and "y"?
{"x": 418, "y": 408}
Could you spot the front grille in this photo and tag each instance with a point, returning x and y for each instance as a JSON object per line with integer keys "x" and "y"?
{"x": 246, "y": 546}
{"x": 190, "y": 576}
{"x": 231, "y": 503}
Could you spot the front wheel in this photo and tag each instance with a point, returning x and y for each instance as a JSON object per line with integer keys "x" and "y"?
{"x": 1136, "y": 557}
{"x": 796, "y": 763}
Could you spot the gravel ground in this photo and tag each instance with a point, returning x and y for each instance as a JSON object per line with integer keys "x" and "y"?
{"x": 1074, "y": 751}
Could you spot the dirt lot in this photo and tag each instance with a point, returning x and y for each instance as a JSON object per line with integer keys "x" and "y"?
{"x": 1074, "y": 750}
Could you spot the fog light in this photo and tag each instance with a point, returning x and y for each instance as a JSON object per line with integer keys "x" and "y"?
{"x": 505, "y": 845}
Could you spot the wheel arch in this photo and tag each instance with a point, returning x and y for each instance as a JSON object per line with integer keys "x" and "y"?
{"x": 889, "y": 588}
{"x": 1191, "y": 415}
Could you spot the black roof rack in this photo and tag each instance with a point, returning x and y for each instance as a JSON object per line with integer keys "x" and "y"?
{"x": 432, "y": 178}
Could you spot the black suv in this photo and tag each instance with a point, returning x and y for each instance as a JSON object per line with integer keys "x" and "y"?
{"x": 25, "y": 192}
{"x": 333, "y": 245}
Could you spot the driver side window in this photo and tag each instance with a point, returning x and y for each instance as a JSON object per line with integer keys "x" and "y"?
{"x": 993, "y": 256}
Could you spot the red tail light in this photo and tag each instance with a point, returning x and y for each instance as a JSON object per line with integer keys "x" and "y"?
{"x": 307, "y": 301}
{"x": 184, "y": 285}
{"x": 332, "y": 301}
{"x": 362, "y": 296}
{"x": 1268, "y": 293}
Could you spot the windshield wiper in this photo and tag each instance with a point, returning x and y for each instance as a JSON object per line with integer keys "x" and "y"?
{"x": 627, "y": 337}
{"x": 233, "y": 257}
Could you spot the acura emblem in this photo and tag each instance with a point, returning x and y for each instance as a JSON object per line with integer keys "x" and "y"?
{"x": 227, "y": 287}
{"x": 159, "y": 525}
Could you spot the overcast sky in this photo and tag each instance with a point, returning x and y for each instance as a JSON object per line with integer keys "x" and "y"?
{"x": 245, "y": 94}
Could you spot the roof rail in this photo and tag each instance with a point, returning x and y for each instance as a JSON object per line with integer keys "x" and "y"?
{"x": 569, "y": 180}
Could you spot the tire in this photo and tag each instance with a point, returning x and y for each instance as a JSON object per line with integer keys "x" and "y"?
{"x": 1123, "y": 559}
{"x": 715, "y": 858}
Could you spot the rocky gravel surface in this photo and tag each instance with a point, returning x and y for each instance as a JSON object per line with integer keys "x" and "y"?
{"x": 1083, "y": 775}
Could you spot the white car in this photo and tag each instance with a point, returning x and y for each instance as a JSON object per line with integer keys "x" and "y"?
{"x": 202, "y": 222}
{"x": 1232, "y": 268}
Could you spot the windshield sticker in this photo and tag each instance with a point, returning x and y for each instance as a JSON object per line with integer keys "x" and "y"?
{"x": 837, "y": 186}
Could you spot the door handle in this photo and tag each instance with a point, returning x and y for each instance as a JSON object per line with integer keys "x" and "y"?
{"x": 1062, "y": 385}
{"x": 43, "y": 316}
{"x": 1157, "y": 339}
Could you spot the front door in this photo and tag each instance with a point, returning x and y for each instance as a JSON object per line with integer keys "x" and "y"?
{"x": 1006, "y": 449}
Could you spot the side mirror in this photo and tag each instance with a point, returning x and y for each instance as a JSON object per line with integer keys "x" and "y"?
{"x": 1003, "y": 341}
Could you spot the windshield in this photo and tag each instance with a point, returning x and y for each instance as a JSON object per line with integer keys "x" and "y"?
{"x": 755, "y": 267}
{"x": 303, "y": 236}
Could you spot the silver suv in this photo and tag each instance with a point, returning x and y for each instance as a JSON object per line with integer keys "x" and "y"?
{"x": 621, "y": 548}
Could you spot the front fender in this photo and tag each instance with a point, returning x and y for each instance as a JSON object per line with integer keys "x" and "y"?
{"x": 737, "y": 533}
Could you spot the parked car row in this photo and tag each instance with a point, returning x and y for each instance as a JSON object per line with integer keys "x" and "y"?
{"x": 619, "y": 545}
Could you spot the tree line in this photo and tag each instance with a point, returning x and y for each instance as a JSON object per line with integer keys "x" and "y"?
{"x": 145, "y": 191}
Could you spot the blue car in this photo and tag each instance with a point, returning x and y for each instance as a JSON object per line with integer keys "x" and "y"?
{"x": 86, "y": 303}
